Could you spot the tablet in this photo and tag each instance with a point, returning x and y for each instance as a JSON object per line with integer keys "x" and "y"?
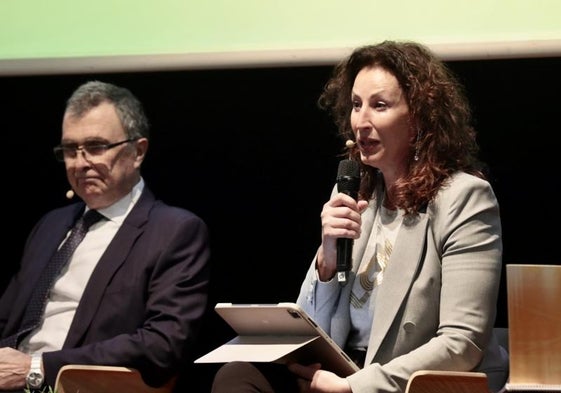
{"x": 281, "y": 333}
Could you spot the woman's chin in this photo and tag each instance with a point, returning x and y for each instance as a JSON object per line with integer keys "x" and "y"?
{"x": 368, "y": 159}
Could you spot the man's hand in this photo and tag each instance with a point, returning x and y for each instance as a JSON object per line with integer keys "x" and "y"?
{"x": 14, "y": 366}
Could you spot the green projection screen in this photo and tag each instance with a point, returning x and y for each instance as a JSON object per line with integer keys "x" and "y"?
{"x": 72, "y": 36}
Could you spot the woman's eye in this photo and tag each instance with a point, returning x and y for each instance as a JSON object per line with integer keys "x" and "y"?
{"x": 380, "y": 105}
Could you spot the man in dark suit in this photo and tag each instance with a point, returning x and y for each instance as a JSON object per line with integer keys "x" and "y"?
{"x": 135, "y": 289}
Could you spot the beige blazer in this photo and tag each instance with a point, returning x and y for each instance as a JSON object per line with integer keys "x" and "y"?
{"x": 436, "y": 306}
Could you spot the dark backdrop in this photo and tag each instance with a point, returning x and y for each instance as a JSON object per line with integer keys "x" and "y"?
{"x": 248, "y": 151}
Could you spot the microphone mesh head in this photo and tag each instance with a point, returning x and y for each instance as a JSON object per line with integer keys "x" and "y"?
{"x": 348, "y": 168}
{"x": 348, "y": 178}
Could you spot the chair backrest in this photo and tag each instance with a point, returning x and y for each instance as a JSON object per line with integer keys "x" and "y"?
{"x": 75, "y": 378}
{"x": 534, "y": 319}
{"x": 432, "y": 381}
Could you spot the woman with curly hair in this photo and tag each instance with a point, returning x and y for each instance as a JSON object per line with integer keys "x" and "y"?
{"x": 427, "y": 256}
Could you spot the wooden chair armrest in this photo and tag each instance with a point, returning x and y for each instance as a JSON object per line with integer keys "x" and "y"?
{"x": 432, "y": 381}
{"x": 77, "y": 378}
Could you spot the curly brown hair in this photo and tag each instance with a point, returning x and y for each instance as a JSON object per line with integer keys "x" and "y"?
{"x": 439, "y": 110}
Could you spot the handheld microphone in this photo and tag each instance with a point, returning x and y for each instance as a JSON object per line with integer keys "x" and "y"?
{"x": 348, "y": 182}
{"x": 70, "y": 194}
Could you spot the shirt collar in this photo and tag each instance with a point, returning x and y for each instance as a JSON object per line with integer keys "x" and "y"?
{"x": 118, "y": 211}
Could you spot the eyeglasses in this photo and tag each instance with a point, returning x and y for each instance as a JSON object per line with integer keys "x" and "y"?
{"x": 89, "y": 149}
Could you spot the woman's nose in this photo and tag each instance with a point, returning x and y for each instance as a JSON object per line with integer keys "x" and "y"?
{"x": 363, "y": 119}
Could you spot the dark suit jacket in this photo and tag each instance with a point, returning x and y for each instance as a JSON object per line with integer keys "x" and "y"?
{"x": 143, "y": 304}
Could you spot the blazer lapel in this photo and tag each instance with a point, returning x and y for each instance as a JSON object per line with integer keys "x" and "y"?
{"x": 398, "y": 278}
{"x": 113, "y": 257}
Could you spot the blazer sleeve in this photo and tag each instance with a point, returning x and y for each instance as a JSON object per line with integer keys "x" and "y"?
{"x": 319, "y": 299}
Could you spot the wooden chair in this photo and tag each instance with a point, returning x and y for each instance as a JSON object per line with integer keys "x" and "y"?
{"x": 429, "y": 381}
{"x": 75, "y": 378}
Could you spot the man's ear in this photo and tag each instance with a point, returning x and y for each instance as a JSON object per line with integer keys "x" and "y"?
{"x": 141, "y": 147}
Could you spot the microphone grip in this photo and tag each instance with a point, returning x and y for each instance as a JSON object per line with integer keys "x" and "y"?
{"x": 348, "y": 182}
{"x": 345, "y": 249}
{"x": 344, "y": 258}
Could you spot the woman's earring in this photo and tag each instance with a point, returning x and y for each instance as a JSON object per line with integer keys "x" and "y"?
{"x": 417, "y": 147}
